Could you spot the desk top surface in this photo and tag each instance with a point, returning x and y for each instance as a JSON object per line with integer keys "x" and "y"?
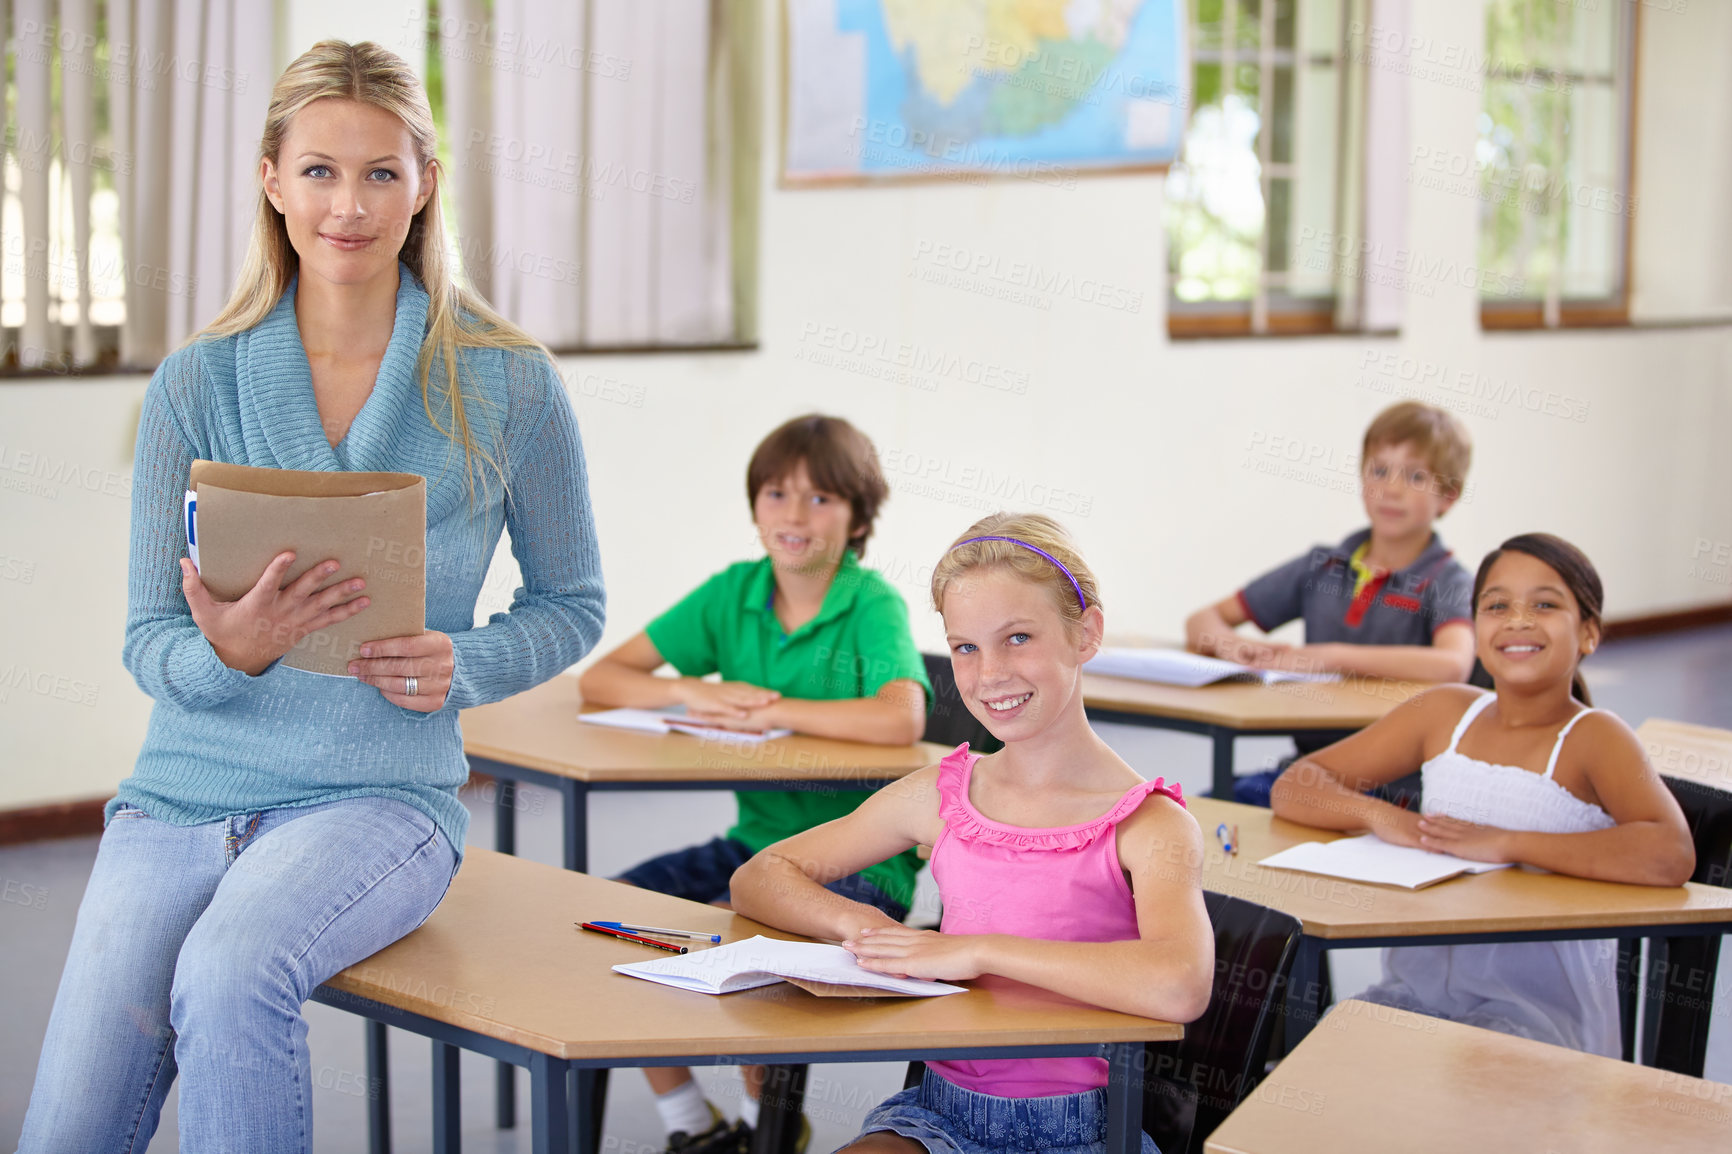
{"x": 1509, "y": 900}
{"x": 1351, "y": 703}
{"x": 1696, "y": 753}
{"x": 538, "y": 729}
{"x": 1371, "y": 1079}
{"x": 501, "y": 956}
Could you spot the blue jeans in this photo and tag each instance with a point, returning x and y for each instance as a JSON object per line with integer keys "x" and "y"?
{"x": 701, "y": 873}
{"x": 194, "y": 949}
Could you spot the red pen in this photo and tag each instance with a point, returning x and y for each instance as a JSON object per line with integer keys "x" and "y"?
{"x": 639, "y": 938}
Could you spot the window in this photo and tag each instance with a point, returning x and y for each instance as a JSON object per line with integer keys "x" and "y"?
{"x": 1553, "y": 163}
{"x": 1258, "y": 177}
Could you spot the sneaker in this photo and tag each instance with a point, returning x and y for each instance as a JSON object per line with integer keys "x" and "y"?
{"x": 722, "y": 1137}
{"x": 801, "y": 1140}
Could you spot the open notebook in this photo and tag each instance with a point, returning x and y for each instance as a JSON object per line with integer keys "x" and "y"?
{"x": 1368, "y": 858}
{"x": 824, "y": 970}
{"x": 675, "y": 721}
{"x": 1177, "y": 667}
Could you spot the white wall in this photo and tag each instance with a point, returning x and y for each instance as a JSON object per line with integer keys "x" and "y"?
{"x": 1150, "y": 450}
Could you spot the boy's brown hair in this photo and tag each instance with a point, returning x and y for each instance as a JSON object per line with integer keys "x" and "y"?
{"x": 839, "y": 458}
{"x": 1435, "y": 435}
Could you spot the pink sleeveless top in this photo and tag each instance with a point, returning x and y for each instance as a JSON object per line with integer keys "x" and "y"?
{"x": 1061, "y": 884}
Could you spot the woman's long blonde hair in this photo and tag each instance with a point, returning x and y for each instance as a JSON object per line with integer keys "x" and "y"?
{"x": 456, "y": 317}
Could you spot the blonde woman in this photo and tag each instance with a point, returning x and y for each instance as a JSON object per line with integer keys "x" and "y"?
{"x": 280, "y": 825}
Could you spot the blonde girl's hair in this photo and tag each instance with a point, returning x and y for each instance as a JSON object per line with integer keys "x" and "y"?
{"x": 1030, "y": 532}
{"x": 456, "y": 317}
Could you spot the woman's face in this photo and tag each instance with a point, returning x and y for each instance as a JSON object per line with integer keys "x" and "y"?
{"x": 348, "y": 185}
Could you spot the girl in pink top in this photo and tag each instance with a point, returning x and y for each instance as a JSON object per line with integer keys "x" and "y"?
{"x": 1057, "y": 864}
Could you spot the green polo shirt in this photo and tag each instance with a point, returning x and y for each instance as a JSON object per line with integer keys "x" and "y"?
{"x": 858, "y": 642}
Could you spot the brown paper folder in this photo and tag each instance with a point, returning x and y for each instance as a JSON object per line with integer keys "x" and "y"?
{"x": 373, "y": 524}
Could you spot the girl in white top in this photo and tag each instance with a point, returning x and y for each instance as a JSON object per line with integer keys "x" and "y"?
{"x": 1528, "y": 774}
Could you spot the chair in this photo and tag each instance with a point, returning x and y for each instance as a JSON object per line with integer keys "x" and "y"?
{"x": 950, "y": 723}
{"x": 1192, "y": 1085}
{"x": 1682, "y": 970}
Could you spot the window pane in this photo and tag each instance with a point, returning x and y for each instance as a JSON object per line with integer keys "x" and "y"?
{"x": 1281, "y": 112}
{"x": 1280, "y": 209}
{"x": 1284, "y": 20}
{"x": 1214, "y": 206}
{"x": 1247, "y": 35}
{"x": 1206, "y": 18}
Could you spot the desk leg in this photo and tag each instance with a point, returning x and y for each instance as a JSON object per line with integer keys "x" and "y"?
{"x": 379, "y": 1082}
{"x": 505, "y": 841}
{"x": 447, "y": 1099}
{"x": 576, "y": 825}
{"x": 591, "y": 1103}
{"x": 784, "y": 1096}
{"x": 549, "y": 1120}
{"x": 1222, "y": 786}
{"x": 505, "y": 815}
{"x": 1305, "y": 994}
{"x": 1124, "y": 1099}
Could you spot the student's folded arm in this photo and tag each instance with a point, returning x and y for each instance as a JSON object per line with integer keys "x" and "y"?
{"x": 556, "y": 615}
{"x": 1449, "y": 657}
{"x": 1212, "y": 625}
{"x": 895, "y": 715}
{"x": 1651, "y": 843}
{"x": 625, "y": 677}
{"x": 1327, "y": 789}
{"x": 165, "y": 652}
{"x": 783, "y": 885}
{"x": 1166, "y": 973}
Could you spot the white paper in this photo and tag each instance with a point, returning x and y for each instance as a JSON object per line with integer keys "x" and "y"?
{"x": 189, "y": 518}
{"x": 674, "y": 720}
{"x": 1368, "y": 858}
{"x": 760, "y": 961}
{"x": 1178, "y": 667}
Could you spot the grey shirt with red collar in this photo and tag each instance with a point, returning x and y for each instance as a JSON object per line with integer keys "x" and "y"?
{"x": 1406, "y": 607}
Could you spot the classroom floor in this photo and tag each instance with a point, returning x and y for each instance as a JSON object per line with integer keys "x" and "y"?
{"x": 1681, "y": 676}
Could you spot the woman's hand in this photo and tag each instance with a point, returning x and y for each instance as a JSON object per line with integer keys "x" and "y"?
{"x": 1464, "y": 839}
{"x": 389, "y": 664}
{"x": 271, "y": 617}
{"x": 723, "y": 700}
{"x": 906, "y": 953}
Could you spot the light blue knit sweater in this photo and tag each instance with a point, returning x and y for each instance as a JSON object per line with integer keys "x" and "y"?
{"x": 222, "y": 742}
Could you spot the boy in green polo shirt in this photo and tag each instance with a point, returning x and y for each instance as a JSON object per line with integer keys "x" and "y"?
{"x": 803, "y": 638}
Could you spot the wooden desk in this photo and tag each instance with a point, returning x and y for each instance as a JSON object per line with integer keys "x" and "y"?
{"x": 536, "y": 737}
{"x": 1507, "y": 905}
{"x": 500, "y": 969}
{"x": 1699, "y": 754}
{"x": 1331, "y": 709}
{"x": 1373, "y": 1079}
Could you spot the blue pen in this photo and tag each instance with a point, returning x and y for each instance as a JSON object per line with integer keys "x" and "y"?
{"x": 1229, "y": 838}
{"x": 629, "y": 928}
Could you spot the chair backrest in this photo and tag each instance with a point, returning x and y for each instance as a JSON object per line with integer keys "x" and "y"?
{"x": 1192, "y": 1085}
{"x": 1695, "y": 762}
{"x": 950, "y": 723}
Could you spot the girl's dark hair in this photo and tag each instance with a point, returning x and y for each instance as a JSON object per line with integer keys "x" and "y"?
{"x": 1570, "y": 563}
{"x": 839, "y": 459}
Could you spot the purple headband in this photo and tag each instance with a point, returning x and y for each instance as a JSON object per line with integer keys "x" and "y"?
{"x": 1081, "y": 601}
